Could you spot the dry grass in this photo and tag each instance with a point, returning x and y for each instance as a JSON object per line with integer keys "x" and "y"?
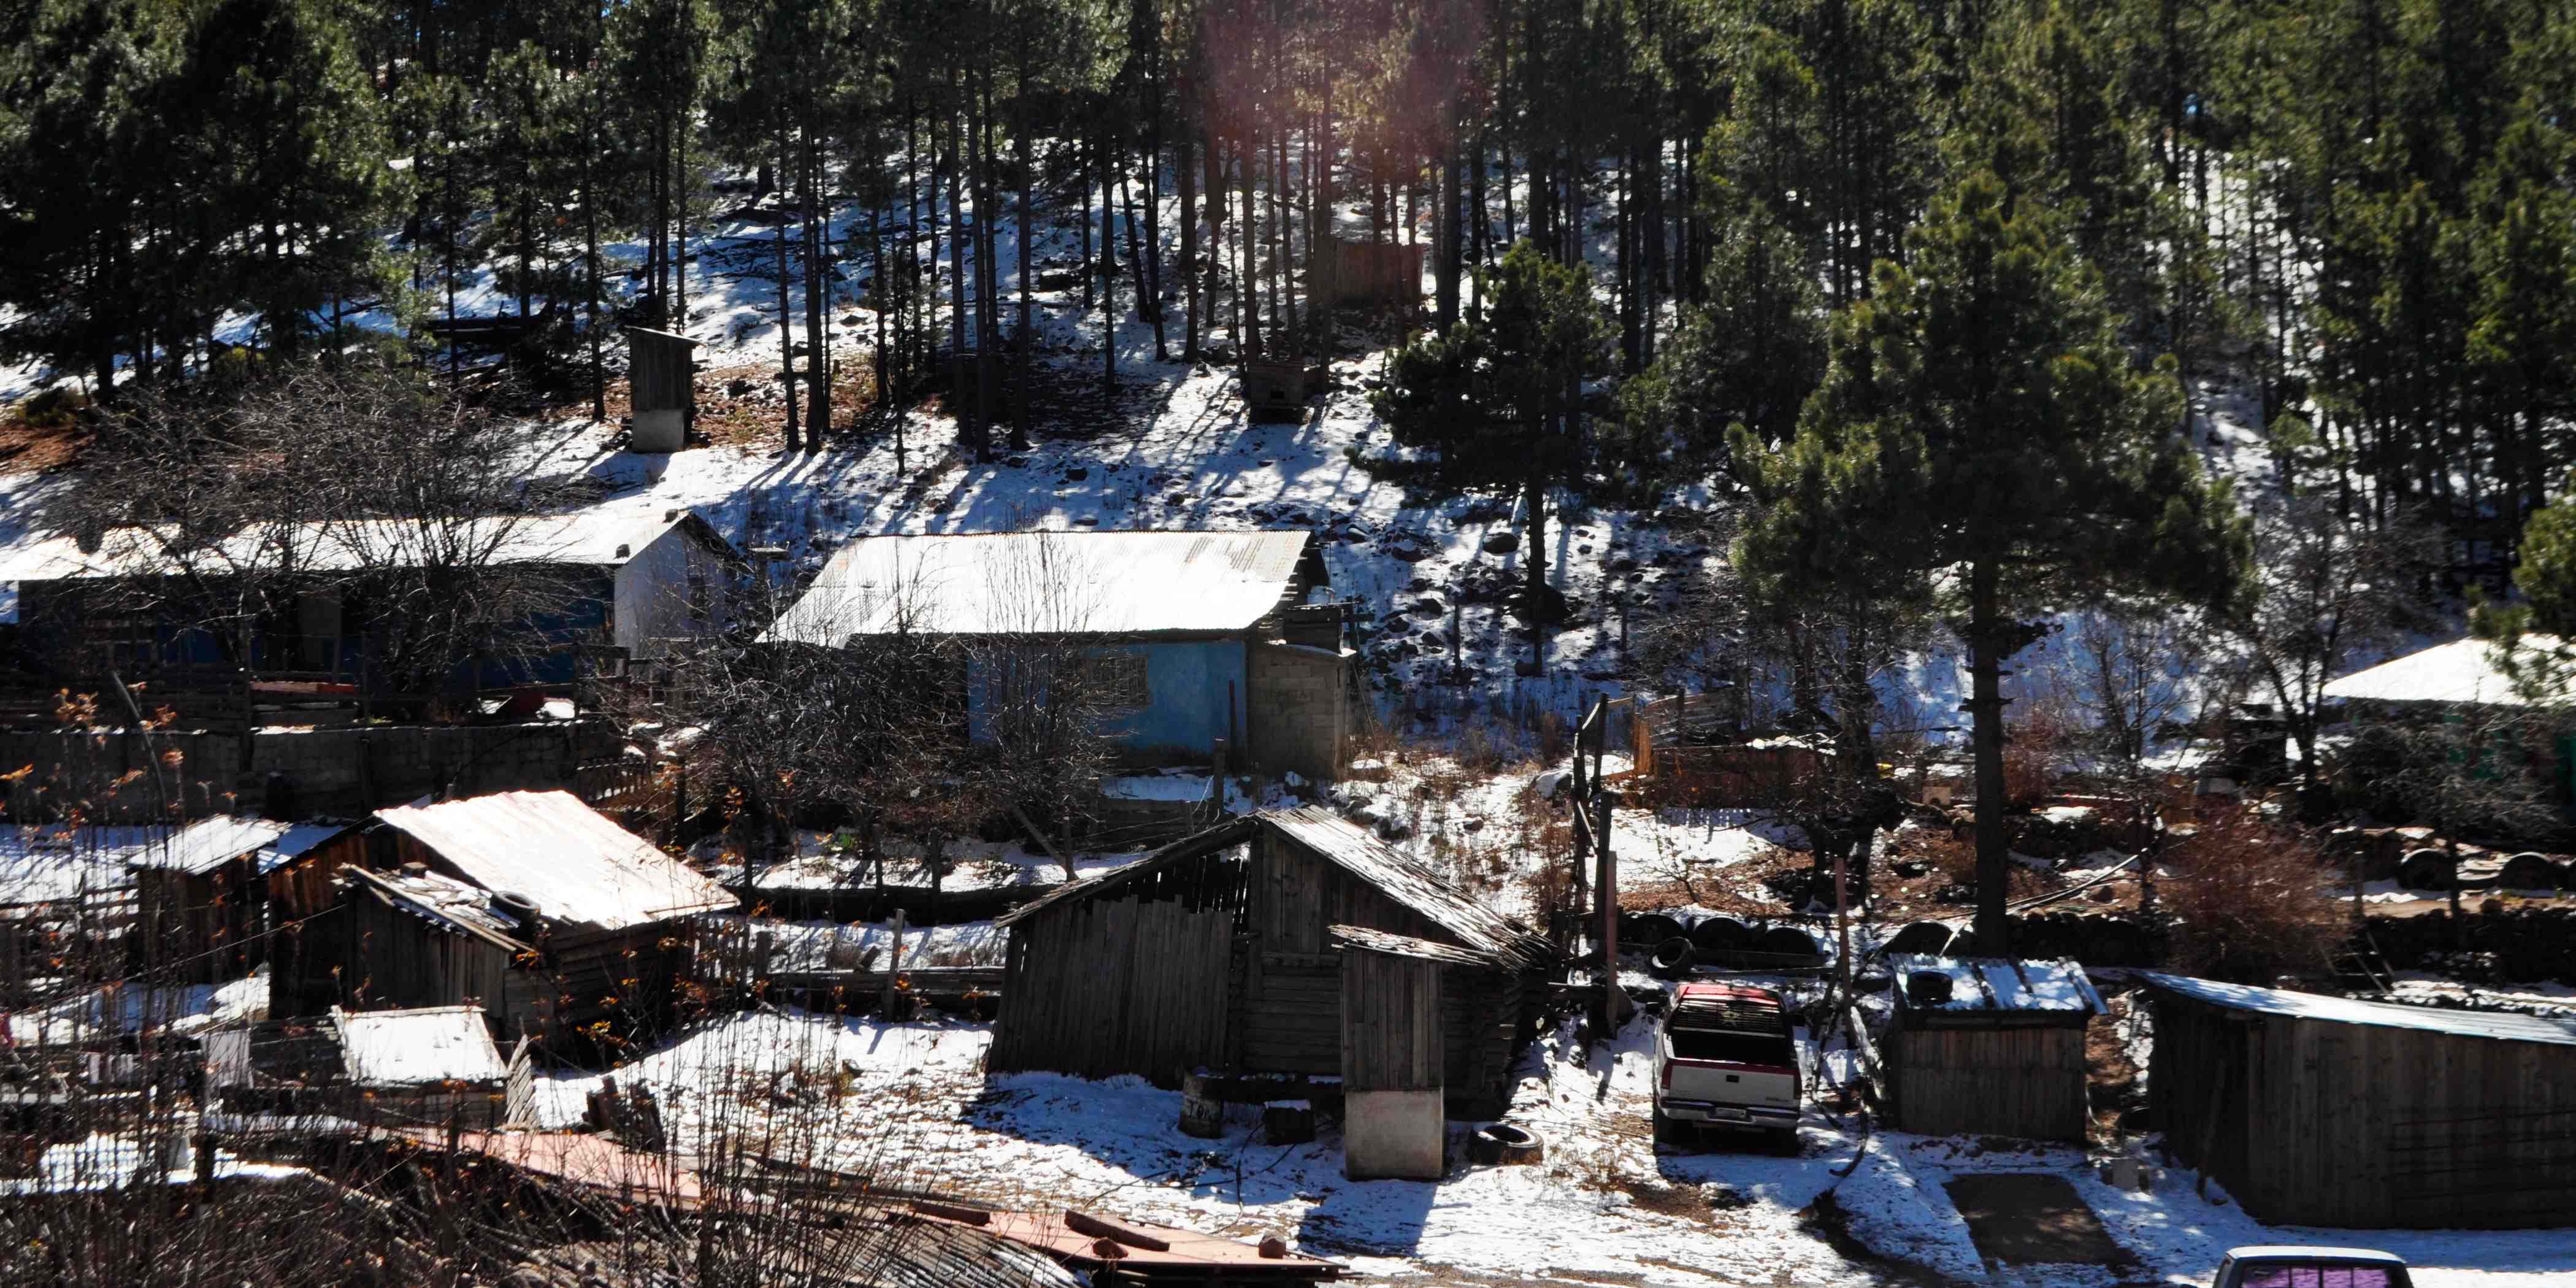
{"x": 45, "y": 431}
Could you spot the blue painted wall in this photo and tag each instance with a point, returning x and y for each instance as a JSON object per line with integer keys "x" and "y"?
{"x": 1186, "y": 686}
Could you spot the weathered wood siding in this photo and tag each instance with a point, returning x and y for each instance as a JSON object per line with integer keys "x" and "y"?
{"x": 1390, "y": 1023}
{"x": 201, "y": 929}
{"x": 1289, "y": 985}
{"x": 1100, "y": 987}
{"x": 2319, "y": 1122}
{"x": 1997, "y": 1081}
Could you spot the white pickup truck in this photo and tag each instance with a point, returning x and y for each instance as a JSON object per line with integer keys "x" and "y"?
{"x": 1726, "y": 1058}
{"x": 2276, "y": 1266}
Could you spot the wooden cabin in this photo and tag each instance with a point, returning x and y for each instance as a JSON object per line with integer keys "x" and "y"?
{"x": 1988, "y": 1047}
{"x": 1366, "y": 275}
{"x": 1217, "y": 952}
{"x": 202, "y": 893}
{"x": 526, "y": 904}
{"x": 2329, "y": 1111}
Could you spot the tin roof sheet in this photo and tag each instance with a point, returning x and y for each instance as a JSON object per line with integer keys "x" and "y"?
{"x": 605, "y": 536}
{"x": 2462, "y": 672}
{"x": 1995, "y": 984}
{"x": 2348, "y": 1010}
{"x": 1365, "y": 939}
{"x": 570, "y": 860}
{"x": 417, "y": 1047}
{"x": 1082, "y": 583}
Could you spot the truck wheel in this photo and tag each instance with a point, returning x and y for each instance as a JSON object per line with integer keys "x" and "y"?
{"x": 1784, "y": 1142}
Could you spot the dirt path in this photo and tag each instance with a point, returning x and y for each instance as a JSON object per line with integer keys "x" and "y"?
{"x": 2030, "y": 1218}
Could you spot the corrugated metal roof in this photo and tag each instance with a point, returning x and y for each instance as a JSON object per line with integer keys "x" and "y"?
{"x": 568, "y": 859}
{"x": 1996, "y": 985}
{"x": 417, "y": 1047}
{"x": 604, "y": 536}
{"x": 209, "y": 843}
{"x": 1364, "y": 939}
{"x": 1007, "y": 583}
{"x": 1401, "y": 878}
{"x": 2347, "y": 1010}
{"x": 2462, "y": 672}
{"x": 444, "y": 902}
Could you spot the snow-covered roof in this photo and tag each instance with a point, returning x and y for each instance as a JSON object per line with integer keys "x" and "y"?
{"x": 2347, "y": 1010}
{"x": 1083, "y": 583}
{"x": 415, "y": 1047}
{"x": 568, "y": 859}
{"x": 1994, "y": 985}
{"x": 43, "y": 862}
{"x": 2460, "y": 672}
{"x": 605, "y": 536}
{"x": 210, "y": 843}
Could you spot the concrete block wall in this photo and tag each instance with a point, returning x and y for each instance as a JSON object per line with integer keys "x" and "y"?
{"x": 1298, "y": 711}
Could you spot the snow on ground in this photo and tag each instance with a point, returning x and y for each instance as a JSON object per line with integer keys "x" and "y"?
{"x": 1605, "y": 1205}
{"x": 803, "y": 946}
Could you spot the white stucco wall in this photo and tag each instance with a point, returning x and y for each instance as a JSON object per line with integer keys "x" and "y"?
{"x": 1398, "y": 1135}
{"x": 653, "y": 591}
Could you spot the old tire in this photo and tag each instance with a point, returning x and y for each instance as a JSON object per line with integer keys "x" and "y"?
{"x": 1786, "y": 941}
{"x": 1721, "y": 935}
{"x": 1672, "y": 958}
{"x": 1922, "y": 938}
{"x": 1654, "y": 928}
{"x": 2424, "y": 870}
{"x": 1504, "y": 1145}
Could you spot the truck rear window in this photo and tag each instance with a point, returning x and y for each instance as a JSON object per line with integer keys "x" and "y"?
{"x": 2294, "y": 1275}
{"x": 1765, "y": 1048}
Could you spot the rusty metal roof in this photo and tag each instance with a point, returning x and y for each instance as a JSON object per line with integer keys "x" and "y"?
{"x": 568, "y": 859}
{"x": 2349, "y": 1010}
{"x": 1077, "y": 583}
{"x": 1147, "y": 1251}
{"x": 1363, "y": 939}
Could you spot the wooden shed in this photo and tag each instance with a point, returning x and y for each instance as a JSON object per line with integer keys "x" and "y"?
{"x": 661, "y": 385}
{"x": 2317, "y": 1110}
{"x": 1393, "y": 1119}
{"x": 1373, "y": 275}
{"x": 1988, "y": 1047}
{"x": 202, "y": 893}
{"x": 1217, "y": 952}
{"x": 531, "y": 905}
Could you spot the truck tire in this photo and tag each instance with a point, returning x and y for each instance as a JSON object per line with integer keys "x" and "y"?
{"x": 1784, "y": 1142}
{"x": 1505, "y": 1145}
{"x": 1672, "y": 958}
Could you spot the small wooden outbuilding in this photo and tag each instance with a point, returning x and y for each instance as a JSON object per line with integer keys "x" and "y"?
{"x": 2317, "y": 1110}
{"x": 531, "y": 905}
{"x": 1393, "y": 1111}
{"x": 1988, "y": 1047}
{"x": 1217, "y": 952}
{"x": 1374, "y": 275}
{"x": 202, "y": 893}
{"x": 661, "y": 385}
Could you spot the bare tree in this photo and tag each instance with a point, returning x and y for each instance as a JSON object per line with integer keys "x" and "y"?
{"x": 2324, "y": 593}
{"x": 365, "y": 489}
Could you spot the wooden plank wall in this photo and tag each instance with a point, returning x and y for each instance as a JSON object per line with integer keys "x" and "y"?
{"x": 1100, "y": 987}
{"x": 2319, "y": 1122}
{"x": 2027, "y": 1082}
{"x": 1390, "y": 1023}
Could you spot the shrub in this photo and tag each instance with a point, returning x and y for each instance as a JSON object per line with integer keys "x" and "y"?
{"x": 2245, "y": 901}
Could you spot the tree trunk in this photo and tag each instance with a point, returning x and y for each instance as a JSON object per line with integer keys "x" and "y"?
{"x": 818, "y": 300}
{"x": 1184, "y": 167}
{"x": 786, "y": 317}
{"x": 1028, "y": 275}
{"x": 1986, "y": 633}
{"x": 1108, "y": 273}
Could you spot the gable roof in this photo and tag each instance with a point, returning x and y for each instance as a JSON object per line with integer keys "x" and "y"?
{"x": 1390, "y": 871}
{"x": 568, "y": 859}
{"x": 1077, "y": 583}
{"x": 2348, "y": 1010}
{"x": 209, "y": 843}
{"x": 2462, "y": 672}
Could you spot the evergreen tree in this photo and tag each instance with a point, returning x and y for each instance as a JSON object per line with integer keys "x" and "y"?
{"x": 1492, "y": 405}
{"x": 1982, "y": 427}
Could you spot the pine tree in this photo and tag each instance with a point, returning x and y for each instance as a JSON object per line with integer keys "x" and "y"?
{"x": 1492, "y": 405}
{"x": 1982, "y": 426}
